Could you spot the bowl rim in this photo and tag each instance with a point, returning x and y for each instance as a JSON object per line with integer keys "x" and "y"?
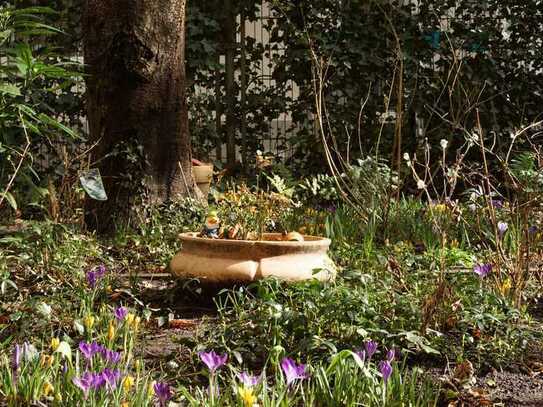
{"x": 314, "y": 241}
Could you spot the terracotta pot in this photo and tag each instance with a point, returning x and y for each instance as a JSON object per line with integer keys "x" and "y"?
{"x": 202, "y": 176}
{"x": 226, "y": 261}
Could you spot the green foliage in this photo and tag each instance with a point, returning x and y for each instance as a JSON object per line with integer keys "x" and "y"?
{"x": 31, "y": 79}
{"x": 253, "y": 211}
{"x": 499, "y": 72}
{"x": 524, "y": 170}
{"x": 318, "y": 188}
{"x": 345, "y": 380}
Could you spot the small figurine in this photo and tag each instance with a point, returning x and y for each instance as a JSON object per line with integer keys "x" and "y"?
{"x": 212, "y": 225}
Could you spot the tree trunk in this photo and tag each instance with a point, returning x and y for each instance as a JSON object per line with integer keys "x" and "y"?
{"x": 136, "y": 105}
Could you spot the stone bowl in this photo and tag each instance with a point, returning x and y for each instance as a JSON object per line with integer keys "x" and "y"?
{"x": 232, "y": 261}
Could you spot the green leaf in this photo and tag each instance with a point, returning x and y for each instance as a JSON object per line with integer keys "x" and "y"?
{"x": 78, "y": 326}
{"x": 5, "y": 284}
{"x": 420, "y": 342}
{"x": 44, "y": 309}
{"x": 55, "y": 123}
{"x": 4, "y": 35}
{"x": 10, "y": 89}
{"x": 11, "y": 199}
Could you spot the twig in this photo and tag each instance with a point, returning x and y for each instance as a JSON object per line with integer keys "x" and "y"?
{"x": 18, "y": 168}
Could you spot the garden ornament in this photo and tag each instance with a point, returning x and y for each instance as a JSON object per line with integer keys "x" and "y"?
{"x": 212, "y": 225}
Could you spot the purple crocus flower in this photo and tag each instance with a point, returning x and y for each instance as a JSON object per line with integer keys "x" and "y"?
{"x": 120, "y": 313}
{"x": 248, "y": 380}
{"x": 94, "y": 275}
{"x": 532, "y": 229}
{"x": 98, "y": 380}
{"x": 110, "y": 356}
{"x": 502, "y": 228}
{"x": 361, "y": 354}
{"x": 212, "y": 360}
{"x": 293, "y": 371}
{"x": 91, "y": 278}
{"x": 386, "y": 369}
{"x": 16, "y": 358}
{"x": 371, "y": 348}
{"x": 90, "y": 349}
{"x": 497, "y": 203}
{"x": 482, "y": 269}
{"x": 163, "y": 393}
{"x": 110, "y": 377}
{"x": 85, "y": 382}
{"x": 391, "y": 354}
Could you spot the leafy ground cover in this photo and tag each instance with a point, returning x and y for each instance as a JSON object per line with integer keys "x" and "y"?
{"x": 407, "y": 321}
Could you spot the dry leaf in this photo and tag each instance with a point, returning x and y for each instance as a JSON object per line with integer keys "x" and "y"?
{"x": 182, "y": 323}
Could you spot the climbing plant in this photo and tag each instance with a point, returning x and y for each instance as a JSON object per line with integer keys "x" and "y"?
{"x": 398, "y": 73}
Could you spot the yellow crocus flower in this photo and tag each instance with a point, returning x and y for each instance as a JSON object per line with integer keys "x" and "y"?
{"x": 247, "y": 395}
{"x": 47, "y": 389}
{"x": 151, "y": 389}
{"x": 47, "y": 361}
{"x": 125, "y": 404}
{"x": 440, "y": 208}
{"x": 137, "y": 322}
{"x": 130, "y": 319}
{"x": 89, "y": 322}
{"x": 505, "y": 286}
{"x": 55, "y": 342}
{"x": 111, "y": 331}
{"x": 128, "y": 382}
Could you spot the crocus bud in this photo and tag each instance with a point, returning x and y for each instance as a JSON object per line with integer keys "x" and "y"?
{"x": 47, "y": 389}
{"x": 55, "y": 342}
{"x": 128, "y": 382}
{"x": 111, "y": 331}
{"x": 89, "y": 322}
{"x": 130, "y": 319}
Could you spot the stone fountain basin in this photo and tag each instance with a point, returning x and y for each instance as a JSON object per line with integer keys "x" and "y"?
{"x": 227, "y": 261}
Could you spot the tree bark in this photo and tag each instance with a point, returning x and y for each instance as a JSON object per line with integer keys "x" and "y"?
{"x": 136, "y": 104}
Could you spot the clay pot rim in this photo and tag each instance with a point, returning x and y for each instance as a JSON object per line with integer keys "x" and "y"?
{"x": 313, "y": 241}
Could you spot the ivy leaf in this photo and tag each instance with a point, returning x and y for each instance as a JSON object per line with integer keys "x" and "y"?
{"x": 420, "y": 342}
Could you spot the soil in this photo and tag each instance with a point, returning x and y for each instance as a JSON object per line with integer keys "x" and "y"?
{"x": 513, "y": 389}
